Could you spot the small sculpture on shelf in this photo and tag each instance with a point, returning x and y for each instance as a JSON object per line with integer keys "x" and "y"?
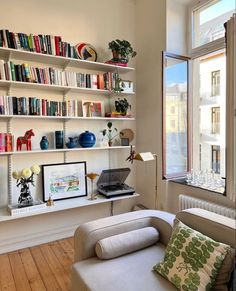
{"x": 92, "y": 177}
{"x": 89, "y": 109}
{"x": 24, "y": 178}
{"x": 50, "y": 201}
{"x": 26, "y": 139}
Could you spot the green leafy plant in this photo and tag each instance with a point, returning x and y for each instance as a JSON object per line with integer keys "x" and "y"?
{"x": 122, "y": 50}
{"x": 110, "y": 132}
{"x": 122, "y": 106}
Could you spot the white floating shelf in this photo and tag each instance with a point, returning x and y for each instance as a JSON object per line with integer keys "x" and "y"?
{"x": 65, "y": 89}
{"x": 8, "y": 53}
{"x": 63, "y": 205}
{"x": 62, "y": 150}
{"x": 67, "y": 117}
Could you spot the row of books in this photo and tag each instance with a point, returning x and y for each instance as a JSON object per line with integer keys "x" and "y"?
{"x": 25, "y": 73}
{"x": 45, "y": 44}
{"x": 11, "y": 105}
{"x": 6, "y": 142}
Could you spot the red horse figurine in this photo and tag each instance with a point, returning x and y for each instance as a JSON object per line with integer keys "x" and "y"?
{"x": 26, "y": 139}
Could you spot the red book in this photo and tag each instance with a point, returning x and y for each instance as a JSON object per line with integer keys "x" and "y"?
{"x": 100, "y": 81}
{"x": 57, "y": 45}
{"x": 8, "y": 142}
{"x": 2, "y": 142}
{"x": 37, "y": 44}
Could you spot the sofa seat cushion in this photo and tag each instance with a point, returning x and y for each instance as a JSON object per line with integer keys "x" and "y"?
{"x": 131, "y": 272}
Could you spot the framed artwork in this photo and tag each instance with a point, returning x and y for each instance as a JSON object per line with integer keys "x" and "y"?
{"x": 92, "y": 108}
{"x": 64, "y": 181}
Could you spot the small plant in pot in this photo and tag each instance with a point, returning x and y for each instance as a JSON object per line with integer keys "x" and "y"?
{"x": 122, "y": 51}
{"x": 122, "y": 106}
{"x": 110, "y": 132}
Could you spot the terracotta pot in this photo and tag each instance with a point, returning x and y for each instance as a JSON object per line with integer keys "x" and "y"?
{"x": 116, "y": 55}
{"x": 110, "y": 143}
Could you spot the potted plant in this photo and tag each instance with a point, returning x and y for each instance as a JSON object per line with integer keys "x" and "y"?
{"x": 122, "y": 106}
{"x": 121, "y": 50}
{"x": 111, "y": 133}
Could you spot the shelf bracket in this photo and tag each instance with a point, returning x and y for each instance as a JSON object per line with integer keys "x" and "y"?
{"x": 68, "y": 62}
{"x": 112, "y": 208}
{"x": 9, "y": 89}
{"x": 9, "y": 160}
{"x": 65, "y": 132}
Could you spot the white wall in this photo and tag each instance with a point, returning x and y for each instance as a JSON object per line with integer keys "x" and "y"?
{"x": 150, "y": 41}
{"x": 76, "y": 21}
{"x": 176, "y": 27}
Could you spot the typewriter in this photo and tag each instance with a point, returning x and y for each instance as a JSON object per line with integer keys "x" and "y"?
{"x": 111, "y": 183}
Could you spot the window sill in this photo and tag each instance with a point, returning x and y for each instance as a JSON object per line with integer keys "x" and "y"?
{"x": 182, "y": 181}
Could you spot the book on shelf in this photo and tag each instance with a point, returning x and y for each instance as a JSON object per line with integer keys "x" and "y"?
{"x": 44, "y": 44}
{"x": 6, "y": 142}
{"x": 14, "y": 209}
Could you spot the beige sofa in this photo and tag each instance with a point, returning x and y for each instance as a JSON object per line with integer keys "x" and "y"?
{"x": 133, "y": 271}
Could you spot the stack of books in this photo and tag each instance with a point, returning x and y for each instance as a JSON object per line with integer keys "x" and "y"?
{"x": 44, "y": 44}
{"x": 16, "y": 210}
{"x": 11, "y": 105}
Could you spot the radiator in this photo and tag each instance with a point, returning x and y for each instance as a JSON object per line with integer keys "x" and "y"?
{"x": 191, "y": 202}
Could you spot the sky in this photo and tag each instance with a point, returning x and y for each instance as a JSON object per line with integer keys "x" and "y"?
{"x": 216, "y": 10}
{"x": 176, "y": 74}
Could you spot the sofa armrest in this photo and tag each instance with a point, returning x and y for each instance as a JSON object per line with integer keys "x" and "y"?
{"x": 88, "y": 234}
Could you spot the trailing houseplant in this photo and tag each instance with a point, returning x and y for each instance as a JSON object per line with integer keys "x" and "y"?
{"x": 122, "y": 51}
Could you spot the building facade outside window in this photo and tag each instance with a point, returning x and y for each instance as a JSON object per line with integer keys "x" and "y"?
{"x": 215, "y": 83}
{"x": 216, "y": 159}
{"x": 215, "y": 120}
{"x": 207, "y": 49}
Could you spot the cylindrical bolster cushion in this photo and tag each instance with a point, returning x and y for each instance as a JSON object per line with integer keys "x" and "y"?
{"x": 124, "y": 243}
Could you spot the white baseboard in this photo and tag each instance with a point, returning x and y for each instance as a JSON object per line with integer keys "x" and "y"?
{"x": 24, "y": 241}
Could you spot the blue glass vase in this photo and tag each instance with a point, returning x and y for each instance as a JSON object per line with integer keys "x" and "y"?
{"x": 71, "y": 143}
{"x": 44, "y": 143}
{"x": 87, "y": 139}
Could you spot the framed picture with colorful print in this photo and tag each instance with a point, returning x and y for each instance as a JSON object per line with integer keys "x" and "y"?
{"x": 64, "y": 181}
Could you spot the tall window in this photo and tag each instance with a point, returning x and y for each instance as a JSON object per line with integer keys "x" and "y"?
{"x": 216, "y": 159}
{"x": 175, "y": 113}
{"x": 215, "y": 83}
{"x": 207, "y": 117}
{"x": 215, "y": 120}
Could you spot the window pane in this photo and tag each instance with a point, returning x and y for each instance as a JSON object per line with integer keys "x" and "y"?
{"x": 209, "y": 124}
{"x": 175, "y": 106}
{"x": 208, "y": 21}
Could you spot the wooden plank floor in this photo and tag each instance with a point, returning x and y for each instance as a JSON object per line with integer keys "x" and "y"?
{"x": 39, "y": 268}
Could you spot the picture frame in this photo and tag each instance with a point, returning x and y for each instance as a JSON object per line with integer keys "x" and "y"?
{"x": 64, "y": 180}
{"x": 91, "y": 108}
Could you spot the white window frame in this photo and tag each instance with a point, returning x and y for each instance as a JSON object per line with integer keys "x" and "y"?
{"x": 207, "y": 48}
{"x": 200, "y": 51}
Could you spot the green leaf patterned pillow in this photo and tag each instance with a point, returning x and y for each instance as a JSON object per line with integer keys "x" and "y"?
{"x": 192, "y": 260}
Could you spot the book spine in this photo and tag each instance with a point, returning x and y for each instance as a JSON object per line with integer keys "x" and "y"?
{"x": 2, "y": 142}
